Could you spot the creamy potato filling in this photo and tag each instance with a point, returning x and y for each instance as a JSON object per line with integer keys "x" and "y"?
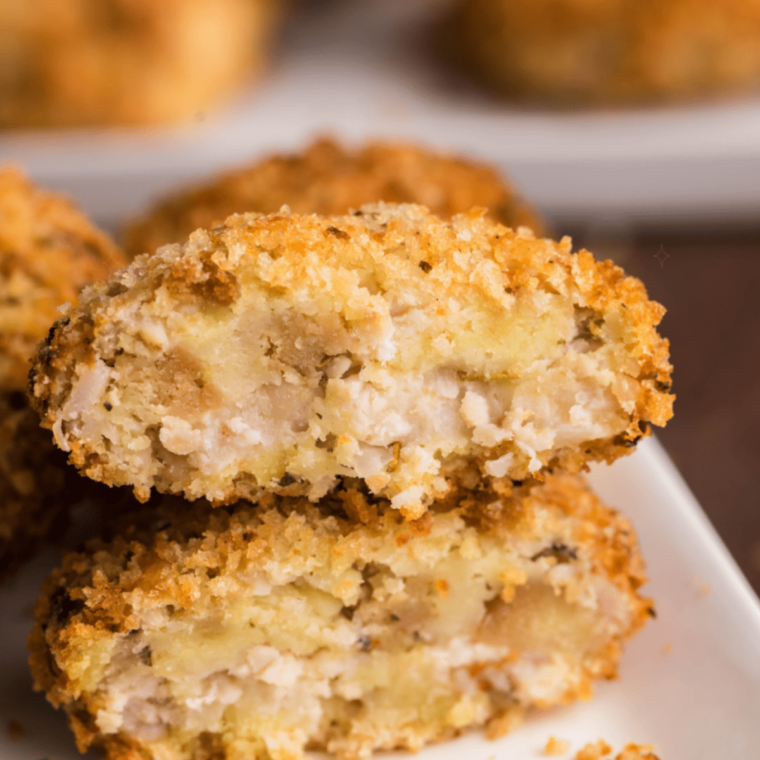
{"x": 341, "y": 662}
{"x": 270, "y": 395}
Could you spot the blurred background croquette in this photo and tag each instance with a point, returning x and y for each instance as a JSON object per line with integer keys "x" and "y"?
{"x": 328, "y": 178}
{"x": 570, "y": 52}
{"x": 88, "y": 62}
{"x": 48, "y": 252}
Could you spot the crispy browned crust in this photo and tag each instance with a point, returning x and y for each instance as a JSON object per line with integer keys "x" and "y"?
{"x": 570, "y": 52}
{"x": 327, "y": 178}
{"x": 208, "y": 273}
{"x": 48, "y": 252}
{"x": 72, "y": 62}
{"x": 173, "y": 554}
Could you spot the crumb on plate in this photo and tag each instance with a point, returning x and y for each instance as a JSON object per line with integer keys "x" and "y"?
{"x": 555, "y": 746}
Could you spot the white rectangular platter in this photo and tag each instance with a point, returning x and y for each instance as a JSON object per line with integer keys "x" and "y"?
{"x": 362, "y": 69}
{"x": 690, "y": 682}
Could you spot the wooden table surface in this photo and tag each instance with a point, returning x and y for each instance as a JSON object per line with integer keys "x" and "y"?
{"x": 710, "y": 284}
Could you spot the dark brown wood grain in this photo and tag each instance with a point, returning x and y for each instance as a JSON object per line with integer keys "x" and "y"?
{"x": 710, "y": 284}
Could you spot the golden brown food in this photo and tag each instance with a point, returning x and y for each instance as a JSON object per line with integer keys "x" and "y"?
{"x": 80, "y": 62}
{"x": 328, "y": 179}
{"x": 602, "y": 751}
{"x": 254, "y": 633}
{"x": 608, "y": 51}
{"x": 48, "y": 252}
{"x": 286, "y": 352}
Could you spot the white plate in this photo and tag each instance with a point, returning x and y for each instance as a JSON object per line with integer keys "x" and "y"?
{"x": 690, "y": 682}
{"x": 358, "y": 69}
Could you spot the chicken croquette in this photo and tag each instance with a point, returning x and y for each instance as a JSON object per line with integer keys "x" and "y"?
{"x": 48, "y": 252}
{"x": 257, "y": 633}
{"x": 571, "y": 52}
{"x": 328, "y": 179}
{"x": 86, "y": 62}
{"x": 288, "y": 352}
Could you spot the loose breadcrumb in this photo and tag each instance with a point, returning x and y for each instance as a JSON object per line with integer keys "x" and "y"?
{"x": 556, "y": 746}
{"x": 260, "y": 632}
{"x": 329, "y": 179}
{"x": 601, "y": 749}
{"x": 288, "y": 352}
{"x": 637, "y": 752}
{"x": 594, "y": 751}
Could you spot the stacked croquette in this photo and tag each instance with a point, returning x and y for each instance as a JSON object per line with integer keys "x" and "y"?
{"x": 357, "y": 439}
{"x": 257, "y": 631}
{"x": 48, "y": 252}
{"x": 287, "y": 352}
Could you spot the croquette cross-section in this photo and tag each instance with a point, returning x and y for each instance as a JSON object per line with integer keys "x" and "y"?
{"x": 289, "y": 352}
{"x": 258, "y": 632}
{"x": 48, "y": 251}
{"x": 330, "y": 179}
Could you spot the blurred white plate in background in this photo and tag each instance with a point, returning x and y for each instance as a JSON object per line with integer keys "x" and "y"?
{"x": 360, "y": 69}
{"x": 690, "y": 682}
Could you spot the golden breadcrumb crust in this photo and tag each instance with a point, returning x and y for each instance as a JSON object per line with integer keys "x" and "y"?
{"x": 131, "y": 380}
{"x": 569, "y": 52}
{"x": 48, "y": 252}
{"x": 78, "y": 62}
{"x": 329, "y": 179}
{"x": 192, "y": 560}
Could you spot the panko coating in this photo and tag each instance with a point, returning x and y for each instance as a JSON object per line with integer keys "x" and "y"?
{"x": 328, "y": 179}
{"x": 48, "y": 252}
{"x": 256, "y": 633}
{"x": 86, "y": 62}
{"x": 287, "y": 352}
{"x": 570, "y": 52}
